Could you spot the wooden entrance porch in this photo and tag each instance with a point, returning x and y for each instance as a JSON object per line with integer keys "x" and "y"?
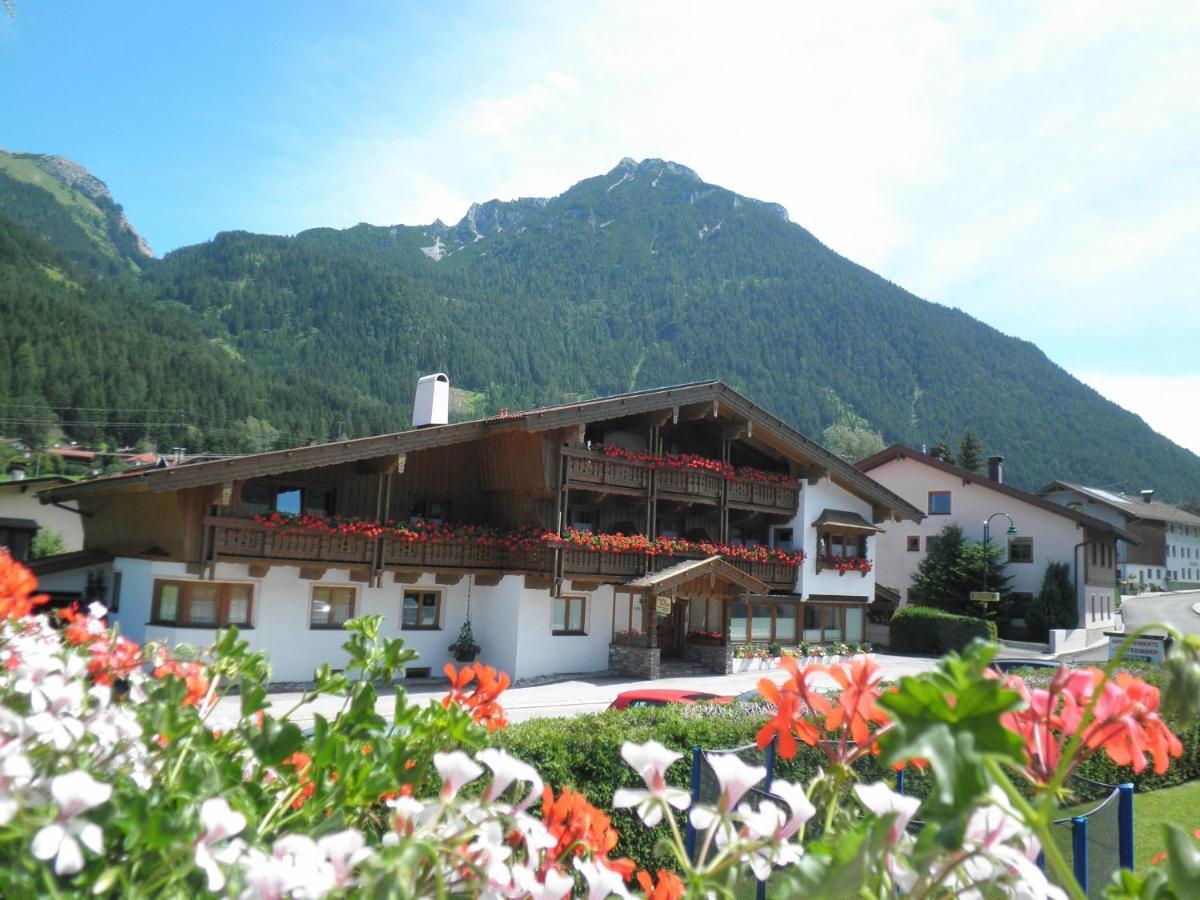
{"x": 652, "y": 616}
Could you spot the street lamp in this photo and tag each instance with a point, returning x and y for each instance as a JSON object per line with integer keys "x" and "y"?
{"x": 987, "y": 537}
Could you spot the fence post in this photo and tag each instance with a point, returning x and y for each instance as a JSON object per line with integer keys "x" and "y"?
{"x": 1125, "y": 824}
{"x": 760, "y": 892}
{"x": 900, "y": 781}
{"x": 1079, "y": 847}
{"x": 690, "y": 834}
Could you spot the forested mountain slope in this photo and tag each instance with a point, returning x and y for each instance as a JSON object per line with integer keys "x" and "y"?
{"x": 648, "y": 276}
{"x": 107, "y": 361}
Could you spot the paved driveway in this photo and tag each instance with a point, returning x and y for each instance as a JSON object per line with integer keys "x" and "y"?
{"x": 569, "y": 697}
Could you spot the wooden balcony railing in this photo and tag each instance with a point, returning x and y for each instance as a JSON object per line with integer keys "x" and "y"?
{"x": 690, "y": 482}
{"x": 784, "y": 497}
{"x": 465, "y": 555}
{"x": 586, "y": 468}
{"x": 247, "y": 538}
{"x": 589, "y": 562}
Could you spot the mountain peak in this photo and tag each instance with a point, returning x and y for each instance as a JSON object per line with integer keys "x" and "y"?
{"x": 84, "y": 219}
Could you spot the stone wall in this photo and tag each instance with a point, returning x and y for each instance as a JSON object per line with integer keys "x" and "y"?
{"x": 714, "y": 657}
{"x": 641, "y": 662}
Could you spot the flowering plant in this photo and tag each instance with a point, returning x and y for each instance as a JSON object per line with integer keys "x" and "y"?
{"x": 704, "y": 634}
{"x": 130, "y": 770}
{"x": 664, "y": 546}
{"x": 695, "y": 463}
{"x": 845, "y": 564}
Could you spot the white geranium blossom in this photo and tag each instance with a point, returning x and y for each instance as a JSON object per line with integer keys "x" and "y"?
{"x": 73, "y": 793}
{"x": 650, "y": 760}
{"x": 220, "y": 823}
{"x": 455, "y": 769}
{"x": 506, "y": 769}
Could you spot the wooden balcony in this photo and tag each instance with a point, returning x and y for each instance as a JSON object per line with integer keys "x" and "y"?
{"x": 591, "y": 470}
{"x": 777, "y": 575}
{"x": 784, "y": 498}
{"x": 580, "y": 562}
{"x": 691, "y": 483}
{"x": 250, "y": 540}
{"x": 465, "y": 555}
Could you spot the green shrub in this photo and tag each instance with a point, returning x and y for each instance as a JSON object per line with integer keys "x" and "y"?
{"x": 923, "y": 629}
{"x": 584, "y": 754}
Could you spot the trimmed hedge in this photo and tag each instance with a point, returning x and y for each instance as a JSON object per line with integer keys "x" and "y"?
{"x": 924, "y": 629}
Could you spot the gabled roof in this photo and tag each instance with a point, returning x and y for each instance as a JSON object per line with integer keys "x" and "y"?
{"x": 721, "y": 397}
{"x": 841, "y": 518}
{"x": 899, "y": 451}
{"x": 691, "y": 569}
{"x": 1126, "y": 504}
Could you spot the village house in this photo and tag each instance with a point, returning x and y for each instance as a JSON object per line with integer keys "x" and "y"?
{"x": 22, "y": 515}
{"x": 1168, "y": 557}
{"x": 623, "y": 532}
{"x": 1045, "y": 532}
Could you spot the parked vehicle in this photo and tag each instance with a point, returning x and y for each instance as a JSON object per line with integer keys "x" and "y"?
{"x": 663, "y": 697}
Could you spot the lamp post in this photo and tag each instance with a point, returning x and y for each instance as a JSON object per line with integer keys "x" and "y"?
{"x": 987, "y": 537}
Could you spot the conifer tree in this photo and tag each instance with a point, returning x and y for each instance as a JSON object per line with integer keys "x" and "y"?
{"x": 970, "y": 451}
{"x": 952, "y": 568}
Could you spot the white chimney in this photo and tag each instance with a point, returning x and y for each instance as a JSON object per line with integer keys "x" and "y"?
{"x": 432, "y": 403}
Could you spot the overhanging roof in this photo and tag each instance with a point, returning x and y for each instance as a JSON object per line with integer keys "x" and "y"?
{"x": 899, "y": 451}
{"x": 66, "y": 562}
{"x": 722, "y": 398}
{"x": 1135, "y": 508}
{"x": 845, "y": 520}
{"x": 682, "y": 573}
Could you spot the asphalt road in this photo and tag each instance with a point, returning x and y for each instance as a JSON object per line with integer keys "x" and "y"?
{"x": 1174, "y": 609}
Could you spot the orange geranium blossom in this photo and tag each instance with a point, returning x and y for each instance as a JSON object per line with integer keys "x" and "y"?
{"x": 192, "y": 674}
{"x": 1126, "y": 722}
{"x": 799, "y": 708}
{"x": 17, "y": 584}
{"x": 580, "y": 827}
{"x": 480, "y": 701}
{"x": 302, "y": 763}
{"x": 669, "y": 887}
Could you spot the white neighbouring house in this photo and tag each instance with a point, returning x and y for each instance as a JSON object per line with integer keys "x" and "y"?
{"x": 22, "y": 515}
{"x": 1168, "y": 557}
{"x": 535, "y": 524}
{"x": 1046, "y": 532}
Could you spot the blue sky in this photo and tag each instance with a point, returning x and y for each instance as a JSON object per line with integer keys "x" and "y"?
{"x": 1036, "y": 165}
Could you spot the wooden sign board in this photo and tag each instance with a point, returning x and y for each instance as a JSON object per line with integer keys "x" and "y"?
{"x": 1151, "y": 648}
{"x": 662, "y": 605}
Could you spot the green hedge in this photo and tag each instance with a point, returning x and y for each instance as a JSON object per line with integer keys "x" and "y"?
{"x": 584, "y": 753}
{"x": 924, "y": 629}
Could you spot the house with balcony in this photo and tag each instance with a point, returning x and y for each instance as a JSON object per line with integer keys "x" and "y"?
{"x": 613, "y": 533}
{"x": 1168, "y": 557}
{"x": 1041, "y": 531}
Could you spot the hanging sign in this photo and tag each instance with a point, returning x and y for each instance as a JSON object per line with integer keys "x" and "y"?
{"x": 985, "y": 596}
{"x": 663, "y": 605}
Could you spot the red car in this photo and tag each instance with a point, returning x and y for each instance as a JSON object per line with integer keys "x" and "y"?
{"x": 664, "y": 696}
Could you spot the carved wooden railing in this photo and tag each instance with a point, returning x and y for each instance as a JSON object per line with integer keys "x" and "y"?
{"x": 590, "y": 467}
{"x": 691, "y": 482}
{"x": 465, "y": 555}
{"x": 784, "y": 497}
{"x": 247, "y": 538}
{"x": 577, "y": 562}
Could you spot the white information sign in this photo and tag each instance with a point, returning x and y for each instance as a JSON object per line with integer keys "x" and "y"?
{"x": 1151, "y": 648}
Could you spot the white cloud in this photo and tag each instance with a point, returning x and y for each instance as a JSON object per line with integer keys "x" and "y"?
{"x": 1170, "y": 404}
{"x": 1032, "y": 164}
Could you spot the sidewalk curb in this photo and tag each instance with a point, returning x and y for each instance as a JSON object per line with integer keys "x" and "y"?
{"x": 1196, "y": 608}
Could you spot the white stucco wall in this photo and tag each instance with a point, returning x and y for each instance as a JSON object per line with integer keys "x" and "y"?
{"x": 813, "y": 500}
{"x": 1054, "y": 536}
{"x": 511, "y": 623}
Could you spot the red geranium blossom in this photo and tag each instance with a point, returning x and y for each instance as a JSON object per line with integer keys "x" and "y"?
{"x": 580, "y": 827}
{"x": 17, "y": 584}
{"x": 480, "y": 702}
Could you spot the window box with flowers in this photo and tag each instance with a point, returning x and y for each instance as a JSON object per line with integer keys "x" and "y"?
{"x": 844, "y": 564}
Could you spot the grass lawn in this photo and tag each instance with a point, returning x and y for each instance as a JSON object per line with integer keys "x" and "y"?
{"x": 1178, "y": 806}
